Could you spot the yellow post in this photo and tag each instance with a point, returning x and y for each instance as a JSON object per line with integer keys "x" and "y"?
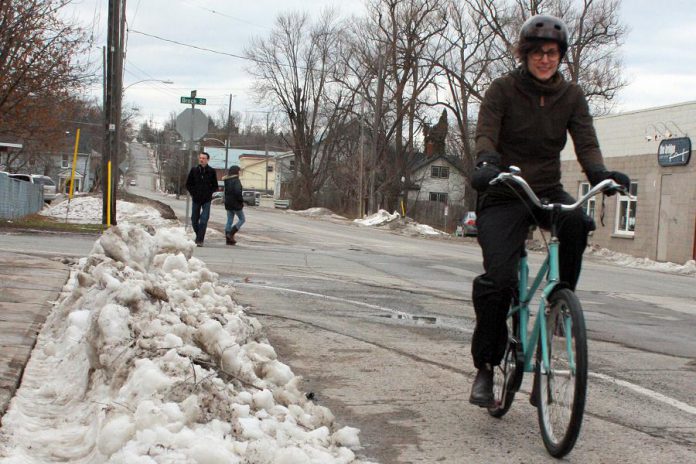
{"x": 108, "y": 196}
{"x": 74, "y": 165}
{"x": 403, "y": 211}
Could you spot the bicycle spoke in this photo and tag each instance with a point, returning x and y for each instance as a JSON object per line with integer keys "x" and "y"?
{"x": 563, "y": 382}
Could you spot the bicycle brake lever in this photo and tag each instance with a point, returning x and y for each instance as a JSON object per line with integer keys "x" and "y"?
{"x": 499, "y": 178}
{"x": 615, "y": 187}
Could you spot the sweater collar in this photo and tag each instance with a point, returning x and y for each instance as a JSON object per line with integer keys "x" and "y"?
{"x": 529, "y": 82}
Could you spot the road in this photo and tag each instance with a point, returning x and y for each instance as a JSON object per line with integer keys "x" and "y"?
{"x": 379, "y": 325}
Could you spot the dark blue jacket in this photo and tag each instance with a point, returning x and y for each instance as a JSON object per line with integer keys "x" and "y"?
{"x": 202, "y": 183}
{"x": 234, "y": 200}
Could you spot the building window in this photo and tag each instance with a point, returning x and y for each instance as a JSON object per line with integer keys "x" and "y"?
{"x": 292, "y": 165}
{"x": 626, "y": 211}
{"x": 440, "y": 172}
{"x": 438, "y": 196}
{"x": 589, "y": 206}
{"x": 269, "y": 168}
{"x": 64, "y": 162}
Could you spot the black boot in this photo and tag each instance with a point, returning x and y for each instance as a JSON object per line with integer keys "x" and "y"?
{"x": 230, "y": 236}
{"x": 482, "y": 389}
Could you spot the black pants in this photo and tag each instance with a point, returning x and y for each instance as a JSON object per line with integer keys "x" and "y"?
{"x": 503, "y": 225}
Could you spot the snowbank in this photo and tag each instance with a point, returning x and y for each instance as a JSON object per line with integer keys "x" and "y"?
{"x": 147, "y": 359}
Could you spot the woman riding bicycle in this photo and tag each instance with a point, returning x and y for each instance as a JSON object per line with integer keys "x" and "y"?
{"x": 523, "y": 121}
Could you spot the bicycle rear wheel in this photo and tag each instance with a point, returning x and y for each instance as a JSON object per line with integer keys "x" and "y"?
{"x": 507, "y": 377}
{"x": 561, "y": 391}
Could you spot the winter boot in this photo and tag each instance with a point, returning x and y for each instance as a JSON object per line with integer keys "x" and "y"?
{"x": 482, "y": 389}
{"x": 229, "y": 237}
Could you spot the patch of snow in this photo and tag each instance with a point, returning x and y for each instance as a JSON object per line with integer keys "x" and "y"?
{"x": 621, "y": 259}
{"x": 379, "y": 218}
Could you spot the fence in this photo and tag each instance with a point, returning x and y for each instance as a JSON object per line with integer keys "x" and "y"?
{"x": 432, "y": 213}
{"x": 19, "y": 198}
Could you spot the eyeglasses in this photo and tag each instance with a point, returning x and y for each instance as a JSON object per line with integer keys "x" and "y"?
{"x": 553, "y": 55}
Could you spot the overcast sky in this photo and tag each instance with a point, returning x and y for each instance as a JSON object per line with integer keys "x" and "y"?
{"x": 659, "y": 53}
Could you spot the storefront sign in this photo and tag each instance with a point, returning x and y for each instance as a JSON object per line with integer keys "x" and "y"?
{"x": 674, "y": 152}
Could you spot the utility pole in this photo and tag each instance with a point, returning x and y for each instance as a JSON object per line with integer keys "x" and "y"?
{"x": 266, "y": 148}
{"x": 227, "y": 140}
{"x": 376, "y": 131}
{"x": 190, "y": 158}
{"x": 118, "y": 91}
{"x": 361, "y": 205}
{"x": 112, "y": 106}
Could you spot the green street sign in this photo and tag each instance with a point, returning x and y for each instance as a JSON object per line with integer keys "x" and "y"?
{"x": 195, "y": 101}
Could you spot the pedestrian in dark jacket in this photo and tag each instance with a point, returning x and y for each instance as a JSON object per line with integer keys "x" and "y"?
{"x": 524, "y": 120}
{"x": 234, "y": 204}
{"x": 201, "y": 183}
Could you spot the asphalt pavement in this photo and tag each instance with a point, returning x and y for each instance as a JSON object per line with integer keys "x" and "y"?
{"x": 28, "y": 287}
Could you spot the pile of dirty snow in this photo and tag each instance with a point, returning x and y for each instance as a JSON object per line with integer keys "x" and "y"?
{"x": 317, "y": 212}
{"x": 688, "y": 268}
{"x": 88, "y": 210}
{"x": 147, "y": 358}
{"x": 407, "y": 226}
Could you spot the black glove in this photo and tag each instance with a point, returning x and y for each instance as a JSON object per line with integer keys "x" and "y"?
{"x": 487, "y": 168}
{"x": 598, "y": 175}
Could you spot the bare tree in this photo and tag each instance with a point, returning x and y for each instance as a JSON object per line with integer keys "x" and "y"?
{"x": 472, "y": 60}
{"x": 593, "y": 59}
{"x": 39, "y": 72}
{"x": 293, "y": 68}
{"x": 394, "y": 50}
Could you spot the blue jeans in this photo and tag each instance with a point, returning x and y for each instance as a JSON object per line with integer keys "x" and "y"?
{"x": 230, "y": 217}
{"x": 200, "y": 213}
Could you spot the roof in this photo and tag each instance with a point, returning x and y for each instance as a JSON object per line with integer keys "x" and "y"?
{"x": 420, "y": 161}
{"x": 10, "y": 145}
{"x": 217, "y": 155}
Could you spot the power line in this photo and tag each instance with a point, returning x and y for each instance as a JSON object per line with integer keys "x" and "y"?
{"x": 243, "y": 21}
{"x": 191, "y": 46}
{"x": 205, "y": 49}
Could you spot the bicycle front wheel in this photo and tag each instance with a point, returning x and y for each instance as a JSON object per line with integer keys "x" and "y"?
{"x": 561, "y": 388}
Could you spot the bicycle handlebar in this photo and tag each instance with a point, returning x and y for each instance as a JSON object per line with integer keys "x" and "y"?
{"x": 514, "y": 175}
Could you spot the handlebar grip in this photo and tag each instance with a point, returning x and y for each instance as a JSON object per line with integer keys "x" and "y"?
{"x": 615, "y": 187}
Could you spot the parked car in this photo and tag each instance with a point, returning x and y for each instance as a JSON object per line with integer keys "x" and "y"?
{"x": 218, "y": 198}
{"x": 251, "y": 198}
{"x": 49, "y": 187}
{"x": 467, "y": 226}
{"x": 46, "y": 183}
{"x": 24, "y": 177}
{"x": 132, "y": 182}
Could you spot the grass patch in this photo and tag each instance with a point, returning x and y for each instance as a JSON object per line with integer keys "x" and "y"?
{"x": 51, "y": 224}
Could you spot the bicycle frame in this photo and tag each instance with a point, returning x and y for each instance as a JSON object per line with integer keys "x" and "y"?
{"x": 529, "y": 340}
{"x": 550, "y": 268}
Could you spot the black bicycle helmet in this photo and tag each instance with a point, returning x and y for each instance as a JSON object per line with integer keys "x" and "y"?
{"x": 545, "y": 27}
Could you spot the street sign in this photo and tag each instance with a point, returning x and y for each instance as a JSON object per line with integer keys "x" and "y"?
{"x": 195, "y": 101}
{"x": 195, "y": 117}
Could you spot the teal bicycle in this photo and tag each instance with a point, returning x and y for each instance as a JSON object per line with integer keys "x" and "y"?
{"x": 555, "y": 348}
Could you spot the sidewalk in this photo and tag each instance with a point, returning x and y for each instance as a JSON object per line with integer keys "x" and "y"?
{"x": 28, "y": 286}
